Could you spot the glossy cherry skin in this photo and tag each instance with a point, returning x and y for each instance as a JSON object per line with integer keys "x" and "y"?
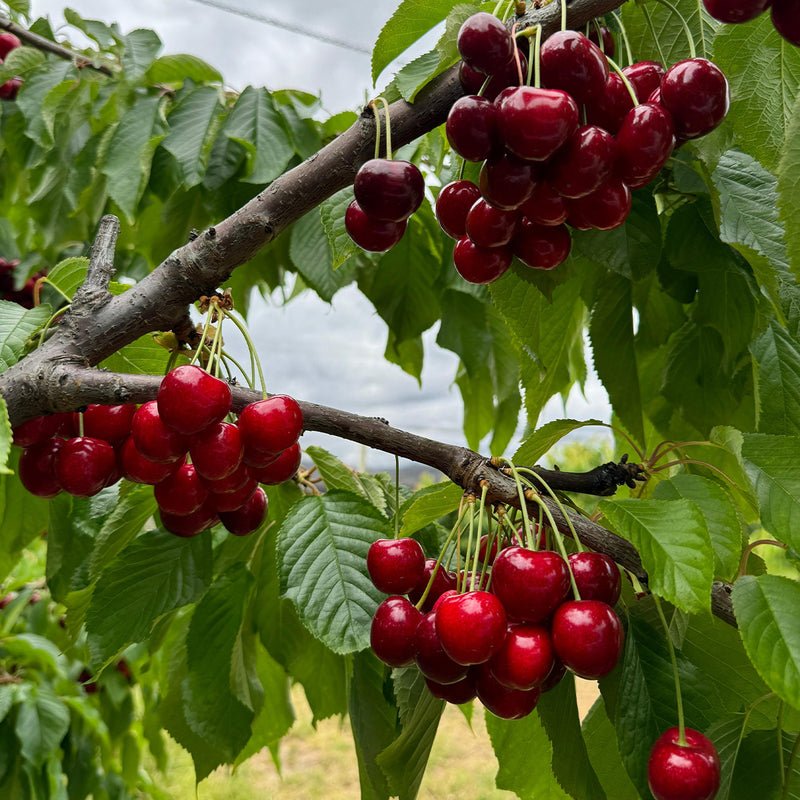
{"x": 247, "y": 518}
{"x": 734, "y": 11}
{"x": 371, "y": 234}
{"x": 272, "y": 425}
{"x": 452, "y": 205}
{"x": 188, "y": 525}
{"x": 683, "y": 772}
{"x": 488, "y": 226}
{"x": 545, "y": 206}
{"x": 604, "y": 209}
{"x": 217, "y": 451}
{"x": 531, "y": 584}
{"x": 471, "y": 626}
{"x": 604, "y": 40}
{"x": 283, "y": 468}
{"x": 232, "y": 501}
{"x": 696, "y": 93}
{"x": 8, "y": 91}
{"x": 395, "y": 566}
{"x": 645, "y": 77}
{"x": 506, "y": 181}
{"x": 555, "y": 677}
{"x": 456, "y": 693}
{"x": 473, "y": 81}
{"x": 190, "y": 400}
{"x": 596, "y": 575}
{"x": 485, "y": 43}
{"x": 644, "y": 144}
{"x": 786, "y": 19}
{"x": 182, "y": 492}
{"x": 583, "y": 163}
{"x": 534, "y": 123}
{"x": 610, "y": 107}
{"x": 83, "y": 465}
{"x": 36, "y": 468}
{"x": 154, "y": 439}
{"x": 443, "y": 581}
{"x": 392, "y": 631}
{"x": 230, "y": 483}
{"x": 135, "y": 467}
{"x": 39, "y": 429}
{"x": 471, "y": 127}
{"x": 480, "y": 264}
{"x": 8, "y": 42}
{"x": 575, "y": 64}
{"x": 501, "y": 700}
{"x": 526, "y": 657}
{"x": 430, "y": 656}
{"x": 587, "y": 637}
{"x": 389, "y": 190}
{"x": 541, "y": 246}
{"x": 112, "y": 423}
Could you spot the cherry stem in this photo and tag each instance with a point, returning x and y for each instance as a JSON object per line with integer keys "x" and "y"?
{"x": 522, "y": 504}
{"x": 752, "y": 546}
{"x": 80, "y": 424}
{"x": 687, "y": 31}
{"x": 516, "y": 55}
{"x": 509, "y": 9}
{"x": 674, "y": 659}
{"x": 628, "y": 86}
{"x": 625, "y": 39}
{"x": 203, "y": 338}
{"x": 468, "y": 554}
{"x": 374, "y": 106}
{"x": 251, "y": 347}
{"x": 481, "y": 508}
{"x": 397, "y": 497}
{"x": 216, "y": 344}
{"x": 500, "y": 4}
{"x": 649, "y": 20}
{"x": 424, "y": 597}
{"x": 563, "y": 15}
{"x": 558, "y": 502}
{"x": 388, "y": 128}
{"x": 228, "y": 357}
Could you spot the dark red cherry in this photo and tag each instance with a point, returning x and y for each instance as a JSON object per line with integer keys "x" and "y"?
{"x": 83, "y": 465}
{"x": 188, "y": 525}
{"x": 135, "y": 467}
{"x": 39, "y": 429}
{"x": 473, "y": 81}
{"x": 471, "y": 127}
{"x": 506, "y": 181}
{"x": 217, "y": 451}
{"x": 8, "y": 91}
{"x": 392, "y": 631}
{"x": 112, "y": 423}
{"x": 501, "y": 700}
{"x": 609, "y": 108}
{"x": 526, "y": 657}
{"x": 596, "y": 575}
{"x": 191, "y": 400}
{"x": 734, "y": 11}
{"x": 471, "y": 626}
{"x": 603, "y": 38}
{"x": 696, "y": 93}
{"x": 485, "y": 43}
{"x": 604, "y": 209}
{"x": 786, "y": 19}
{"x": 583, "y": 163}
{"x": 272, "y": 425}
{"x": 488, "y": 226}
{"x": 541, "y": 246}
{"x": 555, "y": 676}
{"x": 534, "y": 123}
{"x": 645, "y": 77}
{"x": 545, "y": 206}
{"x": 154, "y": 439}
{"x": 232, "y": 501}
{"x": 231, "y": 483}
{"x": 456, "y": 693}
{"x": 430, "y": 656}
{"x": 389, "y": 190}
{"x": 247, "y": 518}
{"x": 372, "y": 234}
{"x": 587, "y": 637}
{"x": 36, "y": 468}
{"x": 573, "y": 63}
{"x": 442, "y": 582}
{"x": 644, "y": 142}
{"x": 452, "y": 205}
{"x": 8, "y": 42}
{"x": 283, "y": 468}
{"x": 689, "y": 771}
{"x": 480, "y": 264}
{"x": 395, "y": 566}
{"x": 182, "y": 492}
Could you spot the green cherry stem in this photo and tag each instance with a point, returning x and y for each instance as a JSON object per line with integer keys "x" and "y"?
{"x": 481, "y": 508}
{"x": 626, "y": 40}
{"x": 80, "y": 424}
{"x": 251, "y": 347}
{"x": 686, "y": 30}
{"x": 388, "y": 127}
{"x": 516, "y": 57}
{"x": 396, "y": 497}
{"x": 424, "y": 597}
{"x": 522, "y": 504}
{"x": 374, "y": 106}
{"x": 628, "y": 86}
{"x": 216, "y": 345}
{"x": 674, "y": 659}
{"x": 560, "y": 505}
{"x": 649, "y": 20}
{"x": 227, "y": 357}
{"x": 563, "y": 15}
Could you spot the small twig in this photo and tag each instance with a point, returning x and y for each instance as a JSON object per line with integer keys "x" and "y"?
{"x": 94, "y": 291}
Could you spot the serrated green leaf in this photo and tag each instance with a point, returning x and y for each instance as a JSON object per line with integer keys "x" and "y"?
{"x": 42, "y": 722}
{"x": 546, "y": 437}
{"x": 332, "y": 212}
{"x": 674, "y": 543}
{"x": 334, "y": 473}
{"x": 412, "y": 77}
{"x": 101, "y": 33}
{"x": 789, "y": 187}
{"x": 6, "y": 435}
{"x": 155, "y": 574}
{"x": 141, "y": 48}
{"x": 69, "y": 274}
{"x": 144, "y": 356}
{"x": 727, "y": 735}
{"x": 16, "y": 326}
{"x": 176, "y": 68}
{"x": 766, "y": 610}
{"x": 322, "y": 550}
{"x": 428, "y": 505}
{"x": 31, "y": 99}
{"x": 777, "y": 356}
{"x": 20, "y": 62}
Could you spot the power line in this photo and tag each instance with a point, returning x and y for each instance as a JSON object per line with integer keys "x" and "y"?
{"x": 276, "y": 23}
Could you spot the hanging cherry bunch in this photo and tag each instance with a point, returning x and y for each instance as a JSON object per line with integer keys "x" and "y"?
{"x": 9, "y": 42}
{"x": 785, "y": 14}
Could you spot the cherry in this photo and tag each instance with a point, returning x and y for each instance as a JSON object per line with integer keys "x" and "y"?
{"x": 232, "y": 501}
{"x": 191, "y": 400}
{"x": 503, "y": 701}
{"x": 8, "y": 42}
{"x": 733, "y": 11}
{"x": 36, "y": 468}
{"x": 231, "y": 483}
{"x": 471, "y": 626}
{"x": 457, "y": 693}
{"x": 596, "y": 575}
{"x": 430, "y": 656}
{"x": 485, "y": 43}
{"x": 480, "y": 264}
{"x": 506, "y": 181}
{"x": 541, "y": 246}
{"x": 442, "y": 597}
{"x": 443, "y": 582}
{"x": 182, "y": 492}
{"x": 484, "y": 546}
{"x": 135, "y": 467}
{"x": 187, "y": 525}
{"x": 473, "y": 81}
{"x": 696, "y": 93}
{"x": 112, "y": 423}
{"x": 283, "y": 468}
{"x": 39, "y": 429}
{"x": 389, "y": 190}
{"x": 555, "y": 676}
{"x": 471, "y": 127}
{"x": 609, "y": 108}
{"x": 786, "y": 19}
{"x": 372, "y": 234}
{"x": 688, "y": 771}
{"x": 645, "y": 142}
{"x": 605, "y": 36}
{"x": 545, "y": 206}
{"x": 83, "y": 465}
{"x": 583, "y": 163}
{"x": 488, "y": 226}
{"x": 534, "y": 123}
{"x": 526, "y": 657}
{"x": 645, "y": 77}
{"x": 587, "y": 637}
{"x": 452, "y": 205}
{"x": 395, "y": 566}
{"x": 604, "y": 209}
{"x": 217, "y": 451}
{"x": 155, "y": 440}
{"x": 571, "y": 62}
{"x": 247, "y": 518}
{"x": 531, "y": 584}
{"x": 392, "y": 631}
{"x": 272, "y": 425}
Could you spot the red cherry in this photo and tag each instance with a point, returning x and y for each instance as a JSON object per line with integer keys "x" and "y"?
{"x": 555, "y": 676}
{"x": 587, "y": 637}
{"x": 583, "y": 163}
{"x": 283, "y": 468}
{"x": 526, "y": 657}
{"x": 456, "y": 693}
{"x": 395, "y": 566}
{"x": 645, "y": 77}
{"x": 604, "y": 209}
{"x": 734, "y": 11}
{"x": 472, "y": 80}
{"x": 609, "y": 108}
{"x": 604, "y": 39}
{"x": 135, "y": 467}
{"x": 430, "y": 656}
{"x": 645, "y": 142}
{"x": 217, "y": 451}
{"x": 232, "y": 501}
{"x": 688, "y": 771}
{"x": 483, "y": 548}
{"x": 786, "y": 19}
{"x": 190, "y": 400}
{"x": 696, "y": 93}
{"x": 112, "y": 423}
{"x": 544, "y": 206}
{"x": 83, "y": 465}
{"x": 188, "y": 525}
{"x": 155, "y": 440}
{"x": 442, "y": 597}
{"x": 39, "y": 429}
{"x": 247, "y": 518}
{"x": 182, "y": 492}
{"x": 371, "y": 234}
{"x": 596, "y": 575}
{"x": 443, "y": 582}
{"x": 506, "y": 181}
{"x": 503, "y": 701}
{"x": 272, "y": 425}
{"x": 36, "y": 468}
{"x": 531, "y": 584}
{"x": 480, "y": 264}
{"x": 392, "y": 631}
{"x": 490, "y": 227}
{"x": 452, "y": 205}
{"x": 389, "y": 190}
{"x": 571, "y": 62}
{"x": 8, "y": 91}
{"x": 541, "y": 246}
{"x": 471, "y": 626}
{"x": 485, "y": 43}
{"x": 231, "y": 483}
{"x": 8, "y": 42}
{"x": 471, "y": 127}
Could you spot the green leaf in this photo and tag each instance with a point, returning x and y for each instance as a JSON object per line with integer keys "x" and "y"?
{"x": 789, "y": 186}
{"x": 773, "y": 465}
{"x": 179, "y": 67}
{"x": 141, "y": 48}
{"x": 674, "y": 543}
{"x": 546, "y": 437}
{"x": 155, "y": 574}
{"x": 411, "y": 20}
{"x": 763, "y": 71}
{"x": 6, "y": 435}
{"x": 101, "y": 33}
{"x": 337, "y": 475}
{"x": 322, "y": 550}
{"x": 766, "y": 610}
{"x": 777, "y": 357}
{"x": 428, "y": 505}
{"x": 69, "y": 274}
{"x": 144, "y": 356}
{"x": 20, "y": 62}
{"x": 16, "y": 326}
{"x": 332, "y": 212}
{"x": 412, "y": 77}
{"x": 42, "y": 722}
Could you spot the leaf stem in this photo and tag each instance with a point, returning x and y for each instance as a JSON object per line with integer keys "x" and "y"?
{"x": 752, "y": 546}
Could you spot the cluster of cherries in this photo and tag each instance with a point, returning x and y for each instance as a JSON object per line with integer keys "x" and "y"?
{"x": 23, "y": 296}
{"x": 542, "y": 170}
{"x": 8, "y": 42}
{"x": 504, "y": 637}
{"x": 785, "y": 14}
{"x": 217, "y": 482}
